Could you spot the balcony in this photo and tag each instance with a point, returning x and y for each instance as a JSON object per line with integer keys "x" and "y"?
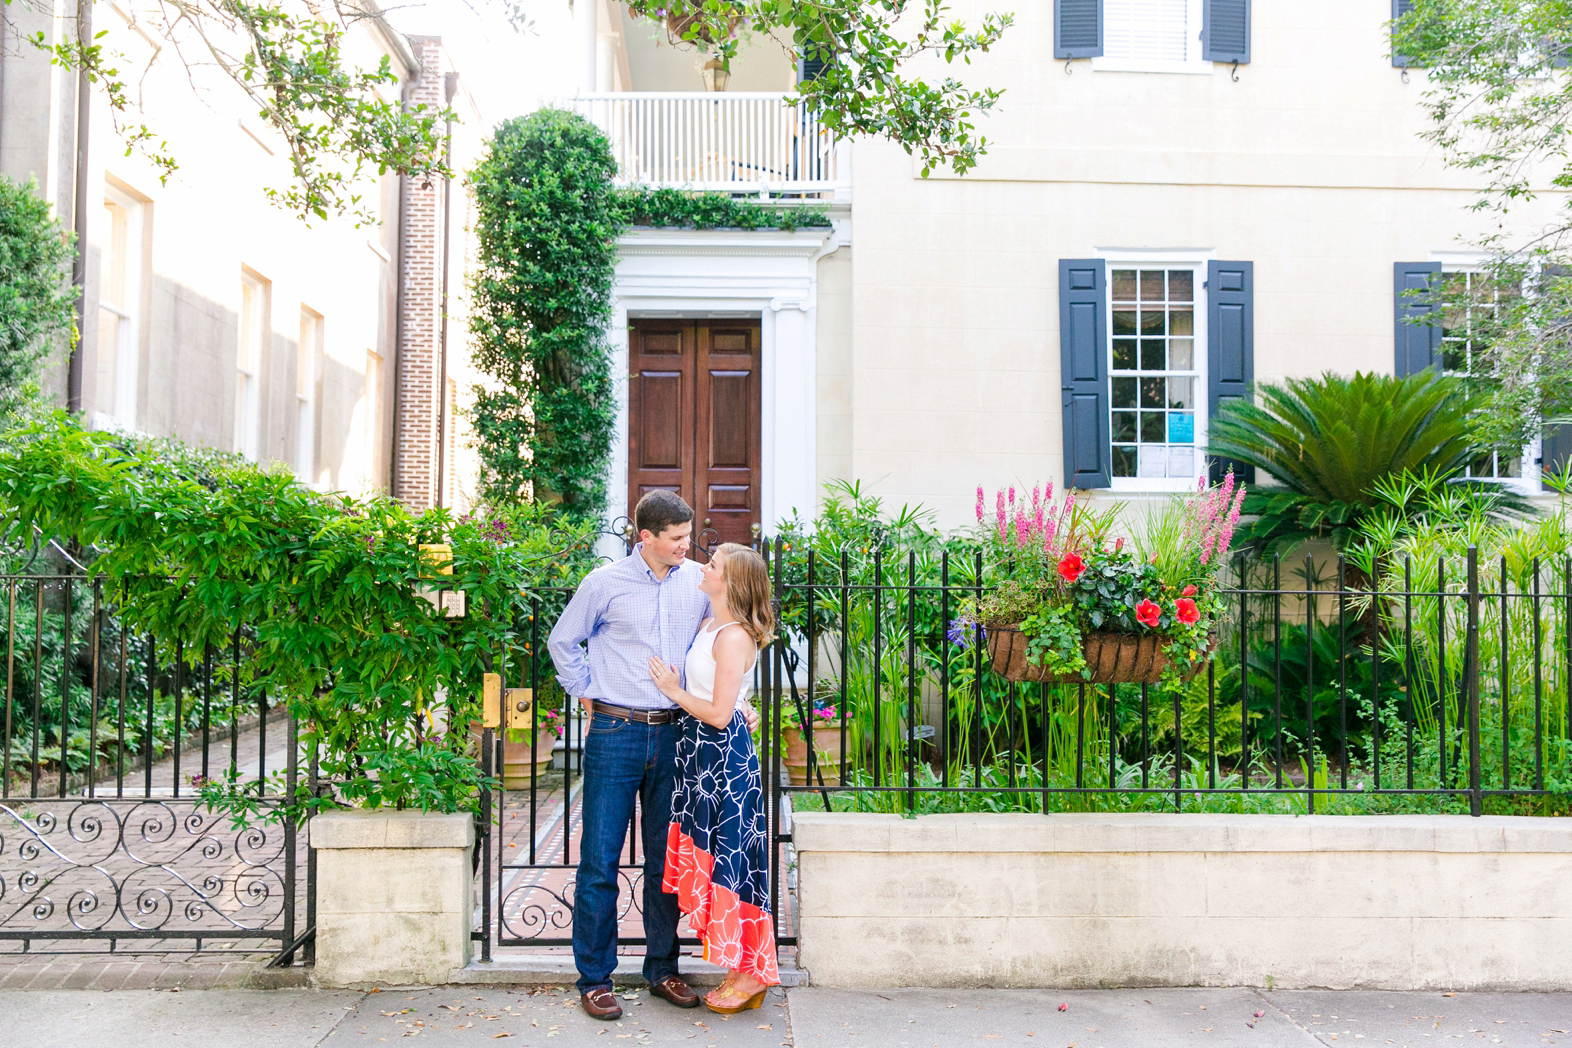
{"x": 731, "y": 142}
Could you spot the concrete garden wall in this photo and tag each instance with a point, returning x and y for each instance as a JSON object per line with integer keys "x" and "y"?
{"x": 1398, "y": 902}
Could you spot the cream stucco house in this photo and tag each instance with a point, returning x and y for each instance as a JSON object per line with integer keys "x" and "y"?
{"x": 211, "y": 315}
{"x": 1181, "y": 197}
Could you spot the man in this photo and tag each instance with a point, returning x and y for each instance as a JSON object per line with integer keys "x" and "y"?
{"x": 647, "y": 604}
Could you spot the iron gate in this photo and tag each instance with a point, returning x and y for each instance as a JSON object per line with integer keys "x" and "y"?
{"x": 107, "y": 735}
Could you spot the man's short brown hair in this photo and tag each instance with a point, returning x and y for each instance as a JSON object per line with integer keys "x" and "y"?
{"x": 659, "y": 510}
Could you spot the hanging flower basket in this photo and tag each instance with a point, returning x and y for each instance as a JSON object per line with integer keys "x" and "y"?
{"x": 1112, "y": 658}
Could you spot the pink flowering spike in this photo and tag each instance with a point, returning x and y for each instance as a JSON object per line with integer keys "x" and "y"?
{"x": 979, "y": 504}
{"x": 1227, "y": 535}
{"x": 999, "y": 512}
{"x": 1048, "y": 494}
{"x": 1200, "y": 483}
{"x": 1037, "y": 496}
{"x": 1053, "y": 526}
{"x": 1012, "y": 494}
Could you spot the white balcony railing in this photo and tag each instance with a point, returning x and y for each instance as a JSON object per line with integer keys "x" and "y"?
{"x": 729, "y": 141}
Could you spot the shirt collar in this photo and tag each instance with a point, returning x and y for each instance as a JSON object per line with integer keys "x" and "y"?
{"x": 643, "y": 565}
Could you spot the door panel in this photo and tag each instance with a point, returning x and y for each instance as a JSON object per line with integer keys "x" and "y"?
{"x": 660, "y": 395}
{"x": 694, "y": 406}
{"x": 729, "y": 409}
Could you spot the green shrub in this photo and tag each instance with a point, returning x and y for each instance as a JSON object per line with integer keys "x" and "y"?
{"x": 36, "y": 296}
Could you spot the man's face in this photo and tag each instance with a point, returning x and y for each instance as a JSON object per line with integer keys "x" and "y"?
{"x": 670, "y": 547}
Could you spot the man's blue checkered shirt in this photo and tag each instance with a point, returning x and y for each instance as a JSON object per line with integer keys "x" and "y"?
{"x": 626, "y": 616}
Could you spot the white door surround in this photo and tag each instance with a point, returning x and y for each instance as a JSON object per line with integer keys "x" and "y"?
{"x": 768, "y": 274}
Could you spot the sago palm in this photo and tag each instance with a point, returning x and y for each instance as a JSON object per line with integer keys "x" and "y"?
{"x": 1329, "y": 441}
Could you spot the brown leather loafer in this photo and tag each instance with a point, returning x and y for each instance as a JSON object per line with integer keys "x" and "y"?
{"x": 673, "y": 989}
{"x": 601, "y": 1003}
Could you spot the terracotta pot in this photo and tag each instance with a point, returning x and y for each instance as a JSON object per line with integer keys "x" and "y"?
{"x": 1111, "y": 658}
{"x": 827, "y": 751}
{"x": 522, "y": 762}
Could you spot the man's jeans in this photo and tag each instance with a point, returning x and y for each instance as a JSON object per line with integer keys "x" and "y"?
{"x": 624, "y": 759}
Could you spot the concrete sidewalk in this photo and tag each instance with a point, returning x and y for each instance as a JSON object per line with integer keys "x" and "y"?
{"x": 539, "y": 1017}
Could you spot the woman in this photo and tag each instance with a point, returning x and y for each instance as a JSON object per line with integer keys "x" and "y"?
{"x": 717, "y": 847}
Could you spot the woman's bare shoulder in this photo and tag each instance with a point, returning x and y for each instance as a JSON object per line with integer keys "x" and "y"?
{"x": 734, "y": 642}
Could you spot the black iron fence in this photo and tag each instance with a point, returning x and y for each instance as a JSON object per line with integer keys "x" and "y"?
{"x": 107, "y": 733}
{"x": 1440, "y": 685}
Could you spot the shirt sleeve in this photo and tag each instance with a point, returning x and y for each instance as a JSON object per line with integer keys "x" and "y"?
{"x": 568, "y": 636}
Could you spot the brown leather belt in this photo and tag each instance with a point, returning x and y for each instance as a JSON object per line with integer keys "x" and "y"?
{"x": 627, "y": 713}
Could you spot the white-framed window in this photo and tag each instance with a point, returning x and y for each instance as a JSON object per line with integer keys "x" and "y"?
{"x": 308, "y": 377}
{"x": 1152, "y": 36}
{"x": 1462, "y": 341}
{"x": 251, "y": 351}
{"x": 120, "y": 287}
{"x": 1156, "y": 373}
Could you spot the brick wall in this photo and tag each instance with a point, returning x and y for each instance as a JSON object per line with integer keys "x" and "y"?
{"x": 415, "y": 428}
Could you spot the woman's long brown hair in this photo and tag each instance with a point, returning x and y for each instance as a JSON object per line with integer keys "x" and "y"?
{"x": 748, "y": 591}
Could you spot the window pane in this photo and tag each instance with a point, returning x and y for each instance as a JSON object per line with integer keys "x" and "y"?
{"x": 1147, "y": 30}
{"x": 1151, "y": 354}
{"x": 1153, "y": 430}
{"x": 1124, "y": 354}
{"x": 1124, "y": 285}
{"x": 1152, "y": 461}
{"x": 1181, "y": 322}
{"x": 1181, "y": 283}
{"x": 1124, "y": 322}
{"x": 1152, "y": 285}
{"x": 1154, "y": 393}
{"x": 1124, "y": 392}
{"x": 1153, "y": 322}
{"x": 1454, "y": 356}
{"x": 1124, "y": 425}
{"x": 1181, "y": 428}
{"x": 1181, "y": 354}
{"x": 1180, "y": 392}
{"x": 1124, "y": 462}
{"x": 1181, "y": 462}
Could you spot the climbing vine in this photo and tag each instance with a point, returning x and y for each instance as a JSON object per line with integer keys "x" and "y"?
{"x": 547, "y": 227}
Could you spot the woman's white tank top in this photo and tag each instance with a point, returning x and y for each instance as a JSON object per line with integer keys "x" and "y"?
{"x": 699, "y": 669}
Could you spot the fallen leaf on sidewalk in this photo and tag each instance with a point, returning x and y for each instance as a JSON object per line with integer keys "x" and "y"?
{"x": 1449, "y": 995}
{"x": 1260, "y": 1013}
{"x": 1064, "y": 1007}
{"x": 764, "y": 1026}
{"x": 504, "y": 1034}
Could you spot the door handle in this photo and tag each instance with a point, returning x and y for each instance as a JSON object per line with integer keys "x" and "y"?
{"x": 706, "y": 522}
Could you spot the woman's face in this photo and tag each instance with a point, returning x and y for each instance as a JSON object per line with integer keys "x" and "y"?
{"x": 713, "y": 584}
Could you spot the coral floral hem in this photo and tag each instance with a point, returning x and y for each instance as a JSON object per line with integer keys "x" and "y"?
{"x": 736, "y": 935}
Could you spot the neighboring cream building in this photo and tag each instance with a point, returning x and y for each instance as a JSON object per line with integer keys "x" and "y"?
{"x": 1154, "y": 228}
{"x": 211, "y": 315}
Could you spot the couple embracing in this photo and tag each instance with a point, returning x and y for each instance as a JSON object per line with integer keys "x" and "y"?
{"x": 671, "y": 647}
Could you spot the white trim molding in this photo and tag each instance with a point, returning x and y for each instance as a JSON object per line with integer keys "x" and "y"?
{"x": 772, "y": 275}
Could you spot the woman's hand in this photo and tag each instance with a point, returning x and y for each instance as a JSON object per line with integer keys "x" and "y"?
{"x": 666, "y": 678}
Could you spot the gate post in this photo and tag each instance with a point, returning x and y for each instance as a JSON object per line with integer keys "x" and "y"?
{"x": 395, "y": 896}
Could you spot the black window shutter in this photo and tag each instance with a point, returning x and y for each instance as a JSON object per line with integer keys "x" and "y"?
{"x": 1225, "y": 31}
{"x": 1083, "y": 356}
{"x": 1077, "y": 28}
{"x": 1399, "y": 9}
{"x": 1230, "y": 345}
{"x": 1418, "y": 345}
{"x": 810, "y": 64}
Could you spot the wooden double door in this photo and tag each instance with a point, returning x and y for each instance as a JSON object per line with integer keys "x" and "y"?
{"x": 693, "y": 420}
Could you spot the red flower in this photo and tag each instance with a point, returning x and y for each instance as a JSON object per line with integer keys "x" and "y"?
{"x": 1148, "y": 613}
{"x": 1185, "y": 608}
{"x": 1071, "y": 567}
{"x": 1189, "y": 591}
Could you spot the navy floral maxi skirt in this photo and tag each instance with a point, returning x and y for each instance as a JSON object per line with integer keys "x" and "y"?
{"x": 717, "y": 848}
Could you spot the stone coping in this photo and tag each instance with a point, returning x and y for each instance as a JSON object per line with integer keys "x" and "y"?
{"x": 391, "y": 829}
{"x": 1153, "y": 832}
